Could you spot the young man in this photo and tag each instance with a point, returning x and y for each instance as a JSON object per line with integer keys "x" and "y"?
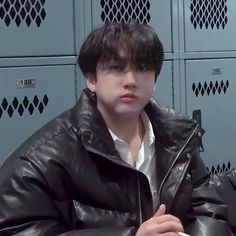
{"x": 116, "y": 164}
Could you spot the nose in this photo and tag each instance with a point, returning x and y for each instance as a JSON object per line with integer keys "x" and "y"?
{"x": 130, "y": 80}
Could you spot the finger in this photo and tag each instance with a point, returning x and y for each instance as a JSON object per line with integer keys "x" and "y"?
{"x": 161, "y": 210}
{"x": 166, "y": 218}
{"x": 168, "y": 226}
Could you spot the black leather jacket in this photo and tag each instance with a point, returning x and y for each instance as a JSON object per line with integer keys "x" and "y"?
{"x": 225, "y": 184}
{"x": 69, "y": 179}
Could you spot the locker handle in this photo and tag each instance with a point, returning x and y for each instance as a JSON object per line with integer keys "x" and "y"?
{"x": 197, "y": 115}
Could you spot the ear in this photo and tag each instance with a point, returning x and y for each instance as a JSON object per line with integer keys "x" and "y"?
{"x": 90, "y": 82}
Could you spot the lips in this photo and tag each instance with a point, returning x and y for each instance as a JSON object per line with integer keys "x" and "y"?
{"x": 129, "y": 95}
{"x": 128, "y": 98}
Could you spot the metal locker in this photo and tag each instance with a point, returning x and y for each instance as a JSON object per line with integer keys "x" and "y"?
{"x": 210, "y": 25}
{"x": 31, "y": 96}
{"x": 36, "y": 28}
{"x": 152, "y": 12}
{"x": 210, "y": 98}
{"x": 164, "y": 86}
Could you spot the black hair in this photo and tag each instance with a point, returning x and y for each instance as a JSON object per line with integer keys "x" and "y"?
{"x": 140, "y": 43}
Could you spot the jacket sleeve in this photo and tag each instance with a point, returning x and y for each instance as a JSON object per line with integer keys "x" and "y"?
{"x": 225, "y": 185}
{"x": 208, "y": 214}
{"x": 28, "y": 205}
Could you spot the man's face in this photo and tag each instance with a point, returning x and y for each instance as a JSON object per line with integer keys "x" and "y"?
{"x": 121, "y": 90}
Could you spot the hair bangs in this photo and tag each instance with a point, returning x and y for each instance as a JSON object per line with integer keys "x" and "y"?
{"x": 133, "y": 44}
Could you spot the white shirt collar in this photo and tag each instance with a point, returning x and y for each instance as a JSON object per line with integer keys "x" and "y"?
{"x": 148, "y": 140}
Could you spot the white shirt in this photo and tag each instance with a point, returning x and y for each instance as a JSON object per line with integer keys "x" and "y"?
{"x": 146, "y": 162}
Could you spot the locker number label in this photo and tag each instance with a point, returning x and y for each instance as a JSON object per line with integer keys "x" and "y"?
{"x": 216, "y": 71}
{"x": 25, "y": 83}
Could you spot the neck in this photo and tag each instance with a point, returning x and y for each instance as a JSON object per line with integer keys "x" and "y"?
{"x": 126, "y": 128}
{"x": 129, "y": 128}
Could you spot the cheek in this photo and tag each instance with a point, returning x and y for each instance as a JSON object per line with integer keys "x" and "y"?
{"x": 149, "y": 89}
{"x": 107, "y": 83}
{"x": 105, "y": 91}
{"x": 149, "y": 86}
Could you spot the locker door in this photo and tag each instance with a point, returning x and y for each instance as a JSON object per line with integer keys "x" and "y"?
{"x": 210, "y": 25}
{"x": 36, "y": 28}
{"x": 30, "y": 97}
{"x": 210, "y": 90}
{"x": 152, "y": 12}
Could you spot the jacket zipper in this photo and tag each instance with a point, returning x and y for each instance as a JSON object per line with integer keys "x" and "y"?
{"x": 139, "y": 202}
{"x": 138, "y": 183}
{"x": 168, "y": 172}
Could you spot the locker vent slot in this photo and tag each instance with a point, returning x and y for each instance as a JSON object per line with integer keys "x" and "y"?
{"x": 125, "y": 10}
{"x": 16, "y": 106}
{"x": 218, "y": 169}
{"x": 210, "y": 88}
{"x": 20, "y": 11}
{"x": 209, "y": 13}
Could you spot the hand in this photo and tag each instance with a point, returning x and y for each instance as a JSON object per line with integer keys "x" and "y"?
{"x": 161, "y": 224}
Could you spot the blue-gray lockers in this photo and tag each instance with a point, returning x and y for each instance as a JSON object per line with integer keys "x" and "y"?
{"x": 37, "y": 66}
{"x": 209, "y": 62}
{"x": 39, "y": 78}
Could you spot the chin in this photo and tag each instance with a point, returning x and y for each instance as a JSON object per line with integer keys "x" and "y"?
{"x": 128, "y": 112}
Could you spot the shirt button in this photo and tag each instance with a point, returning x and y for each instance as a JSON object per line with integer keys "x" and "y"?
{"x": 181, "y": 168}
{"x": 188, "y": 155}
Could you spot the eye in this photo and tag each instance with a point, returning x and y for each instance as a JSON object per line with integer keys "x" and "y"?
{"x": 115, "y": 67}
{"x": 142, "y": 67}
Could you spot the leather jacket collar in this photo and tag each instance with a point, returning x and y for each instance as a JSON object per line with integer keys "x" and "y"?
{"x": 171, "y": 130}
